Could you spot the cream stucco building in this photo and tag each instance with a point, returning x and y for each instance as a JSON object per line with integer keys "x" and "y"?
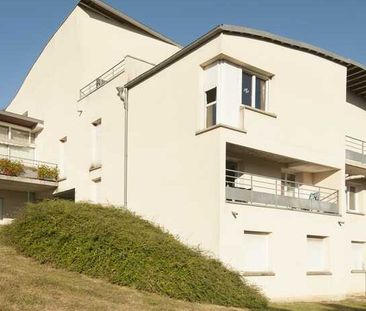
{"x": 249, "y": 145}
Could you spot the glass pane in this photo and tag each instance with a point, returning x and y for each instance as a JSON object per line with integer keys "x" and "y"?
{"x": 211, "y": 115}
{"x": 22, "y": 152}
{"x": 4, "y": 132}
{"x": 3, "y": 150}
{"x": 20, "y": 136}
{"x": 260, "y": 94}
{"x": 246, "y": 90}
{"x": 211, "y": 96}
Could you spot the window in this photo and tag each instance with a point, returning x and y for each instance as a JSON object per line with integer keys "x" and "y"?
{"x": 62, "y": 161}
{"x": 358, "y": 255}
{"x": 288, "y": 185}
{"x": 254, "y": 91}
{"x": 96, "y": 143}
{"x": 95, "y": 195}
{"x": 21, "y": 152}
{"x": 4, "y": 133}
{"x": 256, "y": 254}
{"x": 317, "y": 248}
{"x": 20, "y": 136}
{"x": 352, "y": 193}
{"x": 211, "y": 107}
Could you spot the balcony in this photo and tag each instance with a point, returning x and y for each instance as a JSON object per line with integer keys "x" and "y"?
{"x": 22, "y": 174}
{"x": 103, "y": 79}
{"x": 250, "y": 189}
{"x": 355, "y": 150}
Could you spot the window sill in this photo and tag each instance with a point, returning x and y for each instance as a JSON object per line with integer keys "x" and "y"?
{"x": 269, "y": 114}
{"x": 95, "y": 167}
{"x": 258, "y": 273}
{"x": 61, "y": 179}
{"x": 358, "y": 271}
{"x": 318, "y": 273}
{"x": 355, "y": 213}
{"x": 220, "y": 126}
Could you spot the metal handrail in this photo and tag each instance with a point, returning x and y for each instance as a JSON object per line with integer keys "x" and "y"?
{"x": 355, "y": 145}
{"x": 278, "y": 186}
{"x": 103, "y": 79}
{"x": 28, "y": 162}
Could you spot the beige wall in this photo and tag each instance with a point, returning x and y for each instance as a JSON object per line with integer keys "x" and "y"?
{"x": 173, "y": 173}
{"x": 83, "y": 48}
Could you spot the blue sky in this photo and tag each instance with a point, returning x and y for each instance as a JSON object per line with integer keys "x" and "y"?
{"x": 335, "y": 25}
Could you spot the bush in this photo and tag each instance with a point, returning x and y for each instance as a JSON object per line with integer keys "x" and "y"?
{"x": 10, "y": 167}
{"x": 124, "y": 249}
{"x": 47, "y": 172}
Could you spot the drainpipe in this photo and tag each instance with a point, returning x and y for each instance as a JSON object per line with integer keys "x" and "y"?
{"x": 123, "y": 95}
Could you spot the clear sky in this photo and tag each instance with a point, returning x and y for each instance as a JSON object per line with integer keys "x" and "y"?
{"x": 335, "y": 25}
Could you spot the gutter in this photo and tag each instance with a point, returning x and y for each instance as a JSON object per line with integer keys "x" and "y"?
{"x": 123, "y": 95}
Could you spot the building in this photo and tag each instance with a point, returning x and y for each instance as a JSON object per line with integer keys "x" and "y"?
{"x": 245, "y": 143}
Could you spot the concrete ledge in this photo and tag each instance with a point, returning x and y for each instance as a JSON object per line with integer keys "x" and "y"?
{"x": 93, "y": 168}
{"x": 318, "y": 273}
{"x": 269, "y": 114}
{"x": 220, "y": 126}
{"x": 358, "y": 271}
{"x": 259, "y": 273}
{"x": 355, "y": 213}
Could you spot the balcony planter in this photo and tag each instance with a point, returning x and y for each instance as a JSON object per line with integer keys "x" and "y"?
{"x": 47, "y": 172}
{"x": 11, "y": 168}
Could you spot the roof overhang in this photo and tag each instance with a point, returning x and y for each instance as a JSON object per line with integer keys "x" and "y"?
{"x": 356, "y": 72}
{"x": 109, "y": 12}
{"x": 21, "y": 120}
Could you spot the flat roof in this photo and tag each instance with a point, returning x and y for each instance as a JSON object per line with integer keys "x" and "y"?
{"x": 19, "y": 119}
{"x": 356, "y": 72}
{"x": 110, "y": 12}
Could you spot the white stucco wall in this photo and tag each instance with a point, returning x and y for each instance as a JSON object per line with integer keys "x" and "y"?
{"x": 84, "y": 47}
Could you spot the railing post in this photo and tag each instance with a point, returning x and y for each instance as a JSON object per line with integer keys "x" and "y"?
{"x": 251, "y": 187}
{"x": 276, "y": 198}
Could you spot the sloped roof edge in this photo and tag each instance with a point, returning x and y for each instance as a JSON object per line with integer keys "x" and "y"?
{"x": 119, "y": 16}
{"x": 355, "y": 71}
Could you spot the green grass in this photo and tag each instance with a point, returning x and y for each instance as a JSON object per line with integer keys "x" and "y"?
{"x": 26, "y": 285}
{"x": 115, "y": 245}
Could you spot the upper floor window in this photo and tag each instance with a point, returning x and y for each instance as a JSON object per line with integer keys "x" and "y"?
{"x": 211, "y": 107}
{"x": 254, "y": 91}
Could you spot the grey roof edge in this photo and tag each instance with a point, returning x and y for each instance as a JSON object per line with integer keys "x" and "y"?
{"x": 20, "y": 117}
{"x": 248, "y": 32}
{"x": 122, "y": 15}
{"x": 118, "y": 15}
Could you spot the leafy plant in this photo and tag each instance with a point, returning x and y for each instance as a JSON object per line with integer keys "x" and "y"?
{"x": 11, "y": 168}
{"x": 118, "y": 246}
{"x": 47, "y": 172}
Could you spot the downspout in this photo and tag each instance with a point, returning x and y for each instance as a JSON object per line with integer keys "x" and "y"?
{"x": 123, "y": 95}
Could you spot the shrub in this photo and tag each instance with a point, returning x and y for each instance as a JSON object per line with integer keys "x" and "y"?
{"x": 47, "y": 172}
{"x": 124, "y": 249}
{"x": 10, "y": 167}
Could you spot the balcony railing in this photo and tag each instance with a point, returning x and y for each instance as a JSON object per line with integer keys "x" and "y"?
{"x": 103, "y": 79}
{"x": 245, "y": 188}
{"x": 30, "y": 168}
{"x": 355, "y": 149}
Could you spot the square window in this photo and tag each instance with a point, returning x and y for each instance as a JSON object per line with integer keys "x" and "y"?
{"x": 317, "y": 250}
{"x": 358, "y": 255}
{"x": 256, "y": 254}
